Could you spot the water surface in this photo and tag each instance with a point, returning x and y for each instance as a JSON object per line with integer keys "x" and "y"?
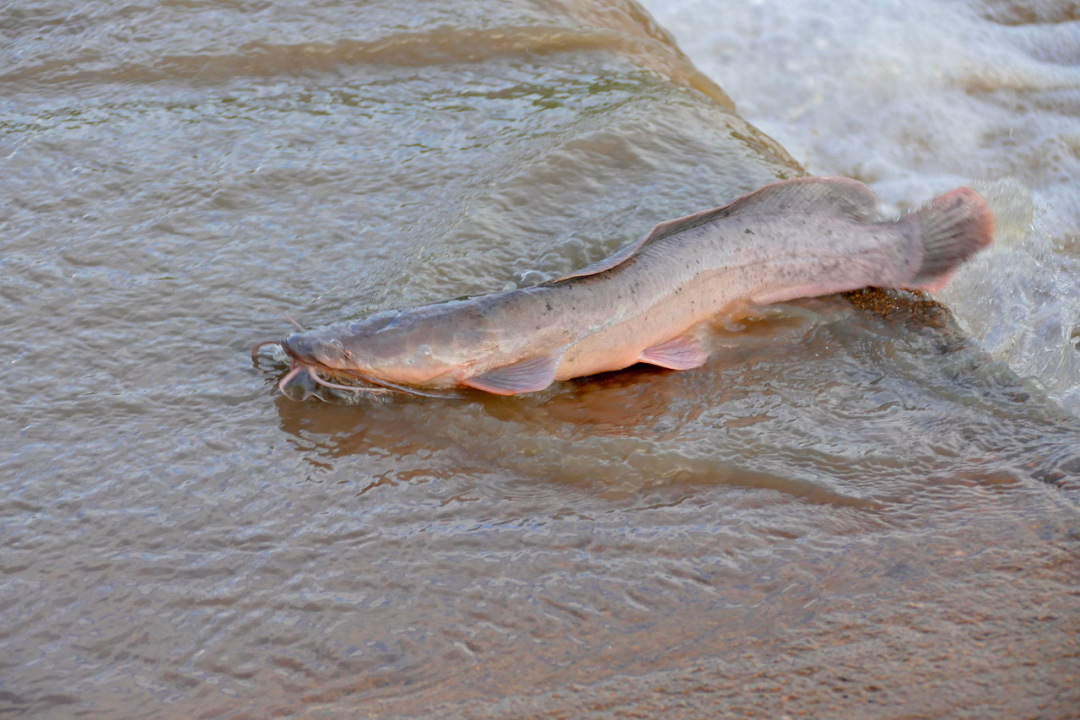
{"x": 916, "y": 98}
{"x": 853, "y": 508}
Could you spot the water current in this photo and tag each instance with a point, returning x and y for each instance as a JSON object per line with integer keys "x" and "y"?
{"x": 860, "y": 507}
{"x": 916, "y": 98}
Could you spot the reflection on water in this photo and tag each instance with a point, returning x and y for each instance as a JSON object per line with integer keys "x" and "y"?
{"x": 847, "y": 488}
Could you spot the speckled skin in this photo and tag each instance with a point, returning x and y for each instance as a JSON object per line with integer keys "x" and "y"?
{"x": 799, "y": 238}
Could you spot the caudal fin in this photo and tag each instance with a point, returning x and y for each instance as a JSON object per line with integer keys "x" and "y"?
{"x": 951, "y": 229}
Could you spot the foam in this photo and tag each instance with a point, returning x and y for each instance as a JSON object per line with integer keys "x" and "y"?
{"x": 918, "y": 97}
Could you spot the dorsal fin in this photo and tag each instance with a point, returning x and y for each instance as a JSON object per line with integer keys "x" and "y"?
{"x": 847, "y": 197}
{"x": 841, "y": 195}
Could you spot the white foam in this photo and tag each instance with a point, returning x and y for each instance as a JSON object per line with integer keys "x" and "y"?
{"x": 917, "y": 97}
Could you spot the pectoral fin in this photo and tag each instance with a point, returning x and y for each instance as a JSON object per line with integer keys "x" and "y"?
{"x": 526, "y": 376}
{"x": 681, "y": 353}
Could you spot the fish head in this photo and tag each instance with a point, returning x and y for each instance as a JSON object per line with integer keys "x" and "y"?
{"x": 320, "y": 348}
{"x": 411, "y": 347}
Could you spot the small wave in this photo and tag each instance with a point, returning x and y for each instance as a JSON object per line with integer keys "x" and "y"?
{"x": 405, "y": 49}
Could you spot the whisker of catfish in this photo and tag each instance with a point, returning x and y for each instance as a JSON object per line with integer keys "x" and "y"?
{"x": 398, "y": 388}
{"x": 298, "y": 325}
{"x": 351, "y": 388}
{"x": 293, "y": 372}
{"x": 258, "y": 345}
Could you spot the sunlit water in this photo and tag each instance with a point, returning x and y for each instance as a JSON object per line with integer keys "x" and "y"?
{"x": 852, "y": 510}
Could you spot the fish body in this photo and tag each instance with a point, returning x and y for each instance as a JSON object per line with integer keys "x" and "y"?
{"x": 649, "y": 301}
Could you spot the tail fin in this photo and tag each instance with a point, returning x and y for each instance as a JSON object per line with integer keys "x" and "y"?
{"x": 951, "y": 229}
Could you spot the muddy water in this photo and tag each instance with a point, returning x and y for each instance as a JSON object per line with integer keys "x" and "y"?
{"x": 852, "y": 509}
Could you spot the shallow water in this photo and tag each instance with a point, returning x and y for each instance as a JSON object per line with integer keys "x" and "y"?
{"x": 850, "y": 509}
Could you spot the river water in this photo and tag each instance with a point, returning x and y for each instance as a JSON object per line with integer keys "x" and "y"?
{"x": 856, "y": 509}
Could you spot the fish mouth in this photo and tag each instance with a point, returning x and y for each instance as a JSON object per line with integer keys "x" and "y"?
{"x": 303, "y": 363}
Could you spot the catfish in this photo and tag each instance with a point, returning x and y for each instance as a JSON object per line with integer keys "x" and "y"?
{"x": 652, "y": 300}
